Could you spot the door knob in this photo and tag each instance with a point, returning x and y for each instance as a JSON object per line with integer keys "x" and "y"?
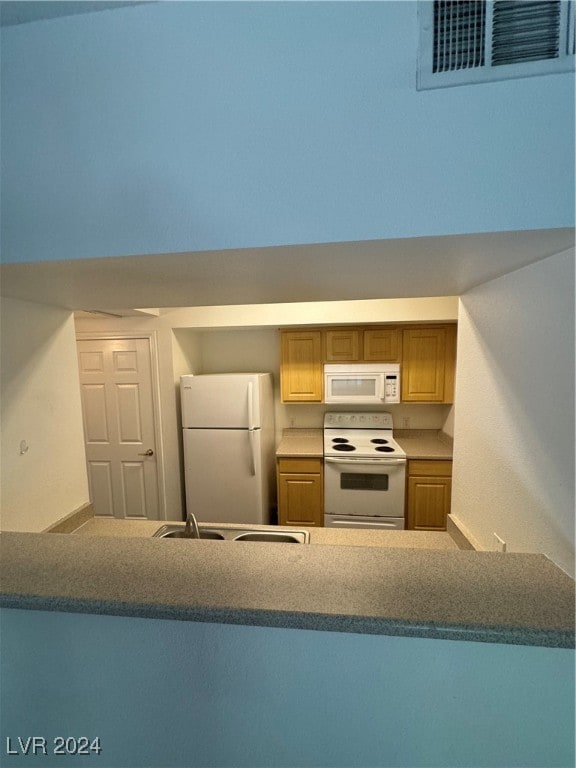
{"x": 149, "y": 452}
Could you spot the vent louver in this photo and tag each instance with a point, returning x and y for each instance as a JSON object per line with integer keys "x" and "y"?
{"x": 525, "y": 31}
{"x": 467, "y": 41}
{"x": 459, "y": 34}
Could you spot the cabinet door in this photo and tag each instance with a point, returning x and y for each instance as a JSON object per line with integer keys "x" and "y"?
{"x": 428, "y": 362}
{"x": 382, "y": 345}
{"x": 428, "y": 494}
{"x": 300, "y": 492}
{"x": 428, "y": 503}
{"x": 343, "y": 346}
{"x": 301, "y": 367}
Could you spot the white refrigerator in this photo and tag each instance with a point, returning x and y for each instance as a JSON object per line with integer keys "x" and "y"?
{"x": 228, "y": 435}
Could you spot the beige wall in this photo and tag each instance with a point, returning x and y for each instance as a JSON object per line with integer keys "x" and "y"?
{"x": 514, "y": 423}
{"x": 46, "y": 479}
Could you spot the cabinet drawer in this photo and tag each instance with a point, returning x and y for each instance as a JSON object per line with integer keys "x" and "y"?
{"x": 303, "y": 466}
{"x": 430, "y": 468}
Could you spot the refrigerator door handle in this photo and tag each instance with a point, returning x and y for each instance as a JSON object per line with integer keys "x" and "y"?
{"x": 252, "y": 452}
{"x": 250, "y": 406}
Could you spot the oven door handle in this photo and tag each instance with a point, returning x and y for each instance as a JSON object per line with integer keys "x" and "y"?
{"x": 369, "y": 462}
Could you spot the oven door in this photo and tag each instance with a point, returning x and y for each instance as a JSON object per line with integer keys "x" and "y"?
{"x": 364, "y": 487}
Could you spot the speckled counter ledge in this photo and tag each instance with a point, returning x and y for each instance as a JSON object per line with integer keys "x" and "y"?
{"x": 475, "y": 596}
{"x": 424, "y": 443}
{"x": 304, "y": 443}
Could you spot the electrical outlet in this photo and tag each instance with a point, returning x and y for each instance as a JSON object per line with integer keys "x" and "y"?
{"x": 500, "y": 544}
{"x": 406, "y": 422}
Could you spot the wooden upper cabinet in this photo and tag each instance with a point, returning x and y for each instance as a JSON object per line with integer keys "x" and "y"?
{"x": 342, "y": 346}
{"x": 428, "y": 364}
{"x": 301, "y": 374}
{"x": 368, "y": 345}
{"x": 426, "y": 353}
{"x": 382, "y": 345}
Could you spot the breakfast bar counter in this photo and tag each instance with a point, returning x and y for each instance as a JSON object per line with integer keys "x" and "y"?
{"x": 521, "y": 599}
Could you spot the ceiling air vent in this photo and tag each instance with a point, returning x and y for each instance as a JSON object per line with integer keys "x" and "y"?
{"x": 474, "y": 41}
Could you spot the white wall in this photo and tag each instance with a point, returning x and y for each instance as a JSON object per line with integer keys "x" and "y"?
{"x": 514, "y": 425}
{"x": 40, "y": 405}
{"x": 175, "y": 693}
{"x": 200, "y": 126}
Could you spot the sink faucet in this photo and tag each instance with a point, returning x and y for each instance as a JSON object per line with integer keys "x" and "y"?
{"x": 191, "y": 530}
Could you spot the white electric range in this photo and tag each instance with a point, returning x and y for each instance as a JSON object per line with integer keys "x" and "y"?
{"x": 364, "y": 472}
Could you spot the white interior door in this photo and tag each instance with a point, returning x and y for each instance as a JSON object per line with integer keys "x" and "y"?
{"x": 119, "y": 428}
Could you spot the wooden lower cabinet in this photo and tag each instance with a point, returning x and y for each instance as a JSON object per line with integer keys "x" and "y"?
{"x": 428, "y": 493}
{"x": 300, "y": 492}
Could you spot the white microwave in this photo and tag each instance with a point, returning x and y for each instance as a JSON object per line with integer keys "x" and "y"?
{"x": 374, "y": 383}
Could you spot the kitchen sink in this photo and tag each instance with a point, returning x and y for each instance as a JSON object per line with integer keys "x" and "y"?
{"x": 162, "y": 533}
{"x": 291, "y": 538}
{"x": 288, "y": 536}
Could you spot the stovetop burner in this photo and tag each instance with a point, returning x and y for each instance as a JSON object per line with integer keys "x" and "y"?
{"x": 363, "y": 434}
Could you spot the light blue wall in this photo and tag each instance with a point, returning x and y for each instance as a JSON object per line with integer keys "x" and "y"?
{"x": 165, "y": 694}
{"x": 192, "y": 126}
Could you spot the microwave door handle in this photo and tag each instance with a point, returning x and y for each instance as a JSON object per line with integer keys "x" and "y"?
{"x": 382, "y": 379}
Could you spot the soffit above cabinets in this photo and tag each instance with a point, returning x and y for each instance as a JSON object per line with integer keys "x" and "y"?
{"x": 402, "y": 268}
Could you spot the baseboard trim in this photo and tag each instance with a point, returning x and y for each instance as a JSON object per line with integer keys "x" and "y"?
{"x": 73, "y": 520}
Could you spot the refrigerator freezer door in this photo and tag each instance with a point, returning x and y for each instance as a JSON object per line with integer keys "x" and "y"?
{"x": 223, "y": 471}
{"x": 225, "y": 401}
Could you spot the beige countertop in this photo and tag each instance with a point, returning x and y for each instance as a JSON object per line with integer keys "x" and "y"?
{"x": 304, "y": 443}
{"x": 417, "y": 443}
{"x": 424, "y": 443}
{"x": 507, "y": 598}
